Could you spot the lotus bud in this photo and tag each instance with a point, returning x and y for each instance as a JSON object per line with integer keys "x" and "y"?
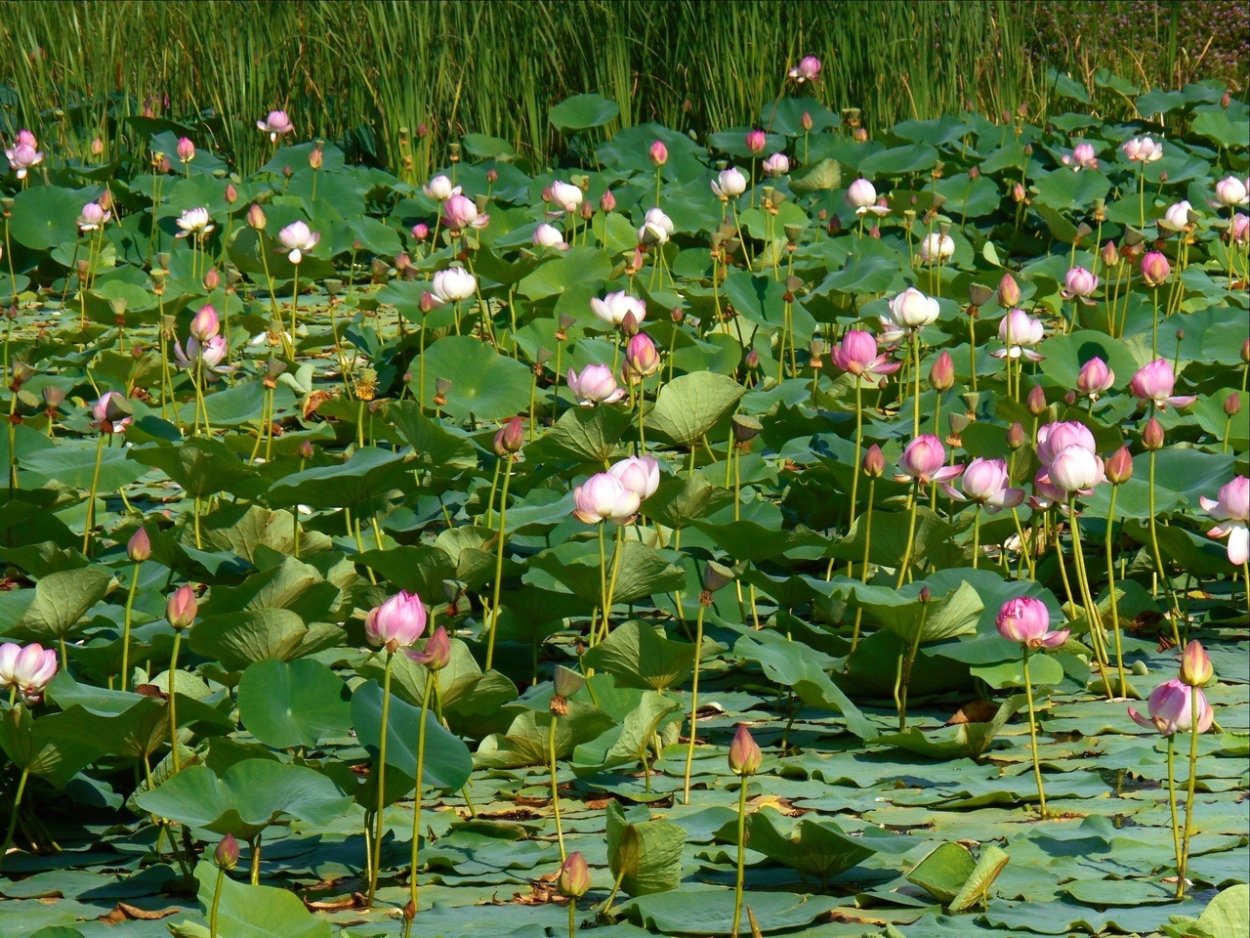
{"x": 1232, "y": 404}
{"x": 256, "y": 217}
{"x": 1119, "y": 466}
{"x": 182, "y": 607}
{"x": 437, "y": 652}
{"x": 641, "y": 356}
{"x": 756, "y": 141}
{"x": 510, "y": 438}
{"x": 421, "y": 231}
{"x": 97, "y": 147}
{"x": 139, "y": 547}
{"x": 1017, "y": 193}
{"x": 752, "y": 359}
{"x": 574, "y": 879}
{"x": 1245, "y": 352}
{"x": 806, "y": 122}
{"x": 1016, "y": 435}
{"x": 212, "y": 280}
{"x": 607, "y": 201}
{"x": 942, "y": 374}
{"x": 1110, "y": 256}
{"x": 185, "y": 149}
{"x": 306, "y": 450}
{"x": 745, "y": 757}
{"x": 226, "y": 856}
{"x": 874, "y": 462}
{"x": 659, "y": 152}
{"x": 1196, "y": 669}
{"x": 629, "y": 324}
{"x": 1037, "y": 401}
{"x": 205, "y": 325}
{"x": 1155, "y": 269}
{"x": 1008, "y": 292}
{"x": 232, "y": 194}
{"x": 1152, "y": 435}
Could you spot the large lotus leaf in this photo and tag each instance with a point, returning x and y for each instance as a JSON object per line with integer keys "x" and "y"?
{"x": 588, "y": 434}
{"x": 528, "y": 737}
{"x": 897, "y": 161}
{"x": 704, "y": 911}
{"x": 73, "y": 463}
{"x": 636, "y": 655}
{"x": 290, "y": 584}
{"x": 238, "y": 639}
{"x": 645, "y": 855}
{"x": 1065, "y": 191}
{"x": 690, "y": 405}
{"x": 365, "y": 478}
{"x": 642, "y": 570}
{"x": 817, "y": 847}
{"x": 437, "y": 447}
{"x": 247, "y": 798}
{"x": 417, "y": 569}
{"x": 1181, "y": 475}
{"x": 54, "y": 747}
{"x": 484, "y": 384}
{"x": 678, "y": 502}
{"x": 960, "y": 740}
{"x": 297, "y": 703}
{"x": 949, "y": 615}
{"x": 1065, "y": 354}
{"x": 447, "y": 761}
{"x": 583, "y": 111}
{"x": 46, "y": 216}
{"x": 61, "y": 600}
{"x": 245, "y": 911}
{"x": 577, "y": 272}
{"x": 952, "y": 875}
{"x": 201, "y": 466}
{"x": 630, "y": 741}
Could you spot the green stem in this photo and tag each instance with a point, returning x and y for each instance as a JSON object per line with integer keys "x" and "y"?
{"x": 856, "y": 467}
{"x": 863, "y": 573}
{"x": 375, "y": 867}
{"x": 902, "y": 681}
{"x": 254, "y": 877}
{"x": 126, "y": 621}
{"x": 694, "y": 700}
{"x": 503, "y": 521}
{"x": 1037, "y": 765}
{"x": 17, "y": 801}
{"x": 173, "y": 706}
{"x": 976, "y": 535}
{"x": 1115, "y": 607}
{"x": 915, "y": 354}
{"x": 212, "y": 914}
{"x": 911, "y": 537}
{"x": 555, "y": 788}
{"x": 1176, "y": 829}
{"x": 1096, "y": 633}
{"x": 1160, "y": 570}
{"x": 294, "y": 304}
{"x": 1189, "y": 795}
{"x": 95, "y": 484}
{"x": 430, "y": 678}
{"x": 742, "y": 855}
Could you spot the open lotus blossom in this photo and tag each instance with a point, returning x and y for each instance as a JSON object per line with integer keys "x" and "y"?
{"x": 986, "y": 482}
{"x": 549, "y": 236}
{"x": 1045, "y": 493}
{"x": 1095, "y": 378}
{"x": 1054, "y": 437}
{"x": 111, "y": 413}
{"x": 1025, "y": 619}
{"x": 440, "y": 188}
{"x": 1155, "y": 382}
{"x": 28, "y": 668}
{"x": 1142, "y": 150}
{"x": 776, "y": 165}
{"x": 1232, "y": 510}
{"x": 1019, "y": 332}
{"x": 1231, "y": 191}
{"x": 1178, "y": 216}
{"x": 656, "y": 228}
{"x": 1081, "y": 157}
{"x": 909, "y": 311}
{"x": 1170, "y": 709}
{"x": 453, "y": 284}
{"x": 460, "y": 212}
{"x": 615, "y": 306}
{"x": 594, "y": 385}
{"x": 276, "y": 124}
{"x": 808, "y": 69}
{"x": 862, "y": 196}
{"x": 937, "y": 247}
{"x": 856, "y": 353}
{"x": 298, "y": 239}
{"x": 194, "y": 222}
{"x": 1075, "y": 471}
{"x": 729, "y": 183}
{"x": 566, "y": 195}
{"x": 401, "y": 619}
{"x": 639, "y": 474}
{"x": 924, "y": 461}
{"x": 1079, "y": 284}
{"x": 603, "y": 497}
{"x": 93, "y": 217}
{"x": 207, "y": 354}
{"x": 24, "y": 153}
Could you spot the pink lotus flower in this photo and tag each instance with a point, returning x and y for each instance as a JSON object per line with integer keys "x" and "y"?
{"x": 1142, "y": 150}
{"x": 549, "y": 236}
{"x": 658, "y": 152}
{"x": 808, "y": 69}
{"x": 909, "y": 311}
{"x": 206, "y": 355}
{"x": 924, "y": 461}
{"x": 1076, "y": 471}
{"x": 936, "y": 248}
{"x": 986, "y": 482}
{"x": 1154, "y": 382}
{"x": 615, "y": 306}
{"x": 452, "y": 285}
{"x": 420, "y": 231}
{"x": 603, "y": 497}
{"x": 1232, "y": 191}
{"x": 566, "y": 195}
{"x": 1233, "y": 507}
{"x": 276, "y": 124}
{"x": 23, "y": 154}
{"x": 1082, "y": 157}
{"x": 857, "y": 354}
{"x": 1239, "y": 228}
{"x": 1079, "y": 284}
{"x": 776, "y": 165}
{"x": 185, "y": 149}
{"x": 1045, "y": 493}
{"x": 1026, "y": 620}
{"x": 642, "y": 358}
{"x": 729, "y": 183}
{"x": 93, "y": 217}
{"x": 756, "y": 141}
{"x": 298, "y": 239}
{"x": 182, "y": 607}
{"x": 440, "y": 188}
{"x": 639, "y": 474}
{"x": 862, "y": 196}
{"x": 656, "y": 228}
{"x": 594, "y": 385}
{"x": 460, "y": 212}
{"x": 194, "y": 222}
{"x": 205, "y": 324}
{"x": 1019, "y": 332}
{"x": 745, "y": 756}
{"x": 1178, "y": 216}
{"x": 401, "y": 619}
{"x": 1170, "y": 709}
{"x": 27, "y": 668}
{"x": 1095, "y": 378}
{"x": 111, "y": 413}
{"x": 1055, "y": 437}
{"x": 1155, "y": 269}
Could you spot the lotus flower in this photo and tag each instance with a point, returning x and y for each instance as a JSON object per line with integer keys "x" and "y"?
{"x": 756, "y": 140}
{"x": 297, "y": 238}
{"x": 401, "y": 619}
{"x": 642, "y": 358}
{"x": 658, "y": 152}
{"x": 453, "y": 284}
{"x": 24, "y": 153}
{"x": 440, "y": 189}
{"x": 924, "y": 461}
{"x": 986, "y": 482}
{"x": 594, "y": 385}
{"x": 1095, "y": 378}
{"x": 603, "y": 497}
{"x": 1019, "y": 332}
{"x": 856, "y": 353}
{"x": 614, "y": 307}
{"x": 936, "y": 248}
{"x": 276, "y": 124}
{"x": 27, "y": 668}
{"x": 1082, "y": 157}
{"x": 549, "y": 236}
{"x": 1054, "y": 437}
{"x": 861, "y": 196}
{"x": 111, "y": 413}
{"x": 656, "y": 228}
{"x": 566, "y": 195}
{"x": 206, "y": 355}
{"x": 776, "y": 165}
{"x": 639, "y": 474}
{"x": 1233, "y": 508}
{"x": 460, "y": 212}
{"x": 1178, "y": 216}
{"x": 1079, "y": 284}
{"x": 1142, "y": 150}
{"x": 1075, "y": 470}
{"x": 1154, "y": 382}
{"x": 93, "y": 217}
{"x": 1231, "y": 191}
{"x": 1026, "y": 620}
{"x": 729, "y": 183}
{"x": 808, "y": 69}
{"x": 194, "y": 221}
{"x": 1170, "y": 709}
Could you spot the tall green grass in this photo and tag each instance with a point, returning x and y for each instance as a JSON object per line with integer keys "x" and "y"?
{"x": 375, "y": 74}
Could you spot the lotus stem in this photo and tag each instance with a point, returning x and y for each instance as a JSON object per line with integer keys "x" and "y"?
{"x": 1037, "y": 765}
{"x": 255, "y": 864}
{"x": 694, "y": 697}
{"x": 212, "y": 914}
{"x": 17, "y": 802}
{"x": 902, "y": 677}
{"x": 1176, "y": 829}
{"x": 863, "y": 574}
{"x": 294, "y": 305}
{"x": 1160, "y": 570}
{"x": 976, "y": 535}
{"x": 742, "y": 854}
{"x": 915, "y": 354}
{"x": 1096, "y": 633}
{"x": 431, "y": 678}
{"x": 503, "y": 522}
{"x": 911, "y": 537}
{"x": 1188, "y": 831}
{"x": 95, "y": 485}
{"x": 173, "y": 705}
{"x": 555, "y": 788}
{"x": 127, "y": 617}
{"x": 1115, "y": 607}
{"x": 375, "y": 865}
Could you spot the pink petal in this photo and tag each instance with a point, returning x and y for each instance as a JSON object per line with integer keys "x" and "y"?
{"x": 947, "y": 472}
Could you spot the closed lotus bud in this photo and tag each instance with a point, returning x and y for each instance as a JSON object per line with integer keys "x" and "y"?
{"x": 139, "y": 547}
{"x": 1152, "y": 435}
{"x": 1008, "y": 292}
{"x": 232, "y": 194}
{"x": 182, "y": 607}
{"x": 874, "y": 462}
{"x": 752, "y": 359}
{"x": 607, "y": 201}
{"x": 1155, "y": 269}
{"x": 574, "y": 880}
{"x": 1196, "y": 669}
{"x": 510, "y": 438}
{"x": 1037, "y": 401}
{"x": 942, "y": 374}
{"x": 641, "y": 356}
{"x": 1110, "y": 256}
{"x": 1119, "y": 466}
{"x": 306, "y": 450}
{"x": 860, "y": 135}
{"x": 256, "y": 217}
{"x": 806, "y": 122}
{"x": 97, "y": 147}
{"x": 226, "y": 856}
{"x": 437, "y": 652}
{"x": 1016, "y": 435}
{"x": 659, "y": 152}
{"x": 1017, "y": 193}
{"x": 756, "y": 141}
{"x": 1245, "y": 351}
{"x": 185, "y": 149}
{"x": 745, "y": 757}
{"x": 212, "y": 279}
{"x": 1232, "y": 404}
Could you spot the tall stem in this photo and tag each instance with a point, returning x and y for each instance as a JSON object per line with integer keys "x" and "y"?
{"x": 95, "y": 484}
{"x": 380, "y": 772}
{"x": 17, "y": 802}
{"x": 294, "y": 304}
{"x": 915, "y": 356}
{"x": 1189, "y": 795}
{"x": 976, "y": 535}
{"x": 503, "y": 523}
{"x": 1115, "y": 608}
{"x": 1176, "y": 828}
{"x": 431, "y": 677}
{"x": 555, "y": 787}
{"x": 1037, "y": 765}
{"x": 212, "y": 914}
{"x": 742, "y": 855}
{"x": 1096, "y": 633}
{"x": 856, "y": 468}
{"x": 173, "y": 706}
{"x": 863, "y": 573}
{"x": 905, "y": 664}
{"x": 127, "y": 617}
{"x": 911, "y": 537}
{"x": 1160, "y": 570}
{"x": 694, "y": 699}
